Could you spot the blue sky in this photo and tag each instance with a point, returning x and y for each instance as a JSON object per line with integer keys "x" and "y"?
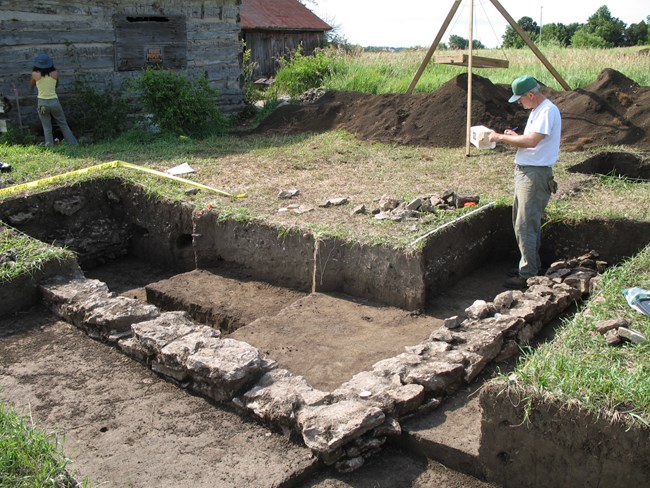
{"x": 411, "y": 23}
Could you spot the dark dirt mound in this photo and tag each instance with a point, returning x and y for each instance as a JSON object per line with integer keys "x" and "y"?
{"x": 427, "y": 119}
{"x": 611, "y": 110}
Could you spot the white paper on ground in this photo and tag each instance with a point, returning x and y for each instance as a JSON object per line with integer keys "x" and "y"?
{"x": 181, "y": 169}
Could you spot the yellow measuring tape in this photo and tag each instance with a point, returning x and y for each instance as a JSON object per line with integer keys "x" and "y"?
{"x": 113, "y": 164}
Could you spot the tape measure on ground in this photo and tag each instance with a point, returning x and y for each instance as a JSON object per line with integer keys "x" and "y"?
{"x": 104, "y": 166}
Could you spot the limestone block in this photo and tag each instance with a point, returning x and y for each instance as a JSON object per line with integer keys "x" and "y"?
{"x": 72, "y": 299}
{"x": 606, "y": 325}
{"x": 443, "y": 334}
{"x": 399, "y": 364}
{"x": 382, "y": 390}
{"x": 428, "y": 349}
{"x": 632, "y": 335}
{"x": 363, "y": 445}
{"x": 227, "y": 364}
{"x": 325, "y": 428}
{"x": 529, "y": 309}
{"x": 580, "y": 280}
{"x": 452, "y": 322}
{"x": 278, "y": 395}
{"x": 133, "y": 348}
{"x": 486, "y": 342}
{"x": 174, "y": 355}
{"x": 479, "y": 309}
{"x": 472, "y": 362}
{"x": 117, "y": 314}
{"x": 612, "y": 337}
{"x": 437, "y": 377}
{"x": 156, "y": 334}
{"x": 176, "y": 374}
{"x": 390, "y": 427}
{"x": 504, "y": 300}
{"x": 565, "y": 295}
{"x": 506, "y": 324}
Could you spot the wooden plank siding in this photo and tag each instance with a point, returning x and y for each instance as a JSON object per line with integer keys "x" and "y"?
{"x": 107, "y": 42}
{"x": 267, "y": 46}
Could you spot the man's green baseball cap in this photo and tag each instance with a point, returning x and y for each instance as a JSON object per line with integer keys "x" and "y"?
{"x": 521, "y": 86}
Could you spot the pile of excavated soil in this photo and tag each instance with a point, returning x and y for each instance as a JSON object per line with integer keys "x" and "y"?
{"x": 611, "y": 110}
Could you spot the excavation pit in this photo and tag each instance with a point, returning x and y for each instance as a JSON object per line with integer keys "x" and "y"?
{"x": 615, "y": 163}
{"x": 327, "y": 322}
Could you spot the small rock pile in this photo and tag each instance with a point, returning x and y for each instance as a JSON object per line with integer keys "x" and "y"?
{"x": 396, "y": 210}
{"x": 342, "y": 427}
{"x": 618, "y": 330}
{"x": 388, "y": 207}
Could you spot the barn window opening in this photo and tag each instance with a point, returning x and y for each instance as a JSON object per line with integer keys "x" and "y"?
{"x": 144, "y": 41}
{"x": 147, "y": 19}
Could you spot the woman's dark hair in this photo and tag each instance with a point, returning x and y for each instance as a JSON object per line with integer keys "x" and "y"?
{"x": 44, "y": 71}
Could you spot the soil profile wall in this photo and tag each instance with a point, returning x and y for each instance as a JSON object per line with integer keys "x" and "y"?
{"x": 614, "y": 240}
{"x": 105, "y": 218}
{"x": 23, "y": 291}
{"x": 466, "y": 245}
{"x": 558, "y": 446}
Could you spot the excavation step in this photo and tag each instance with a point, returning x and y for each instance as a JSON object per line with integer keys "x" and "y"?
{"x": 222, "y": 298}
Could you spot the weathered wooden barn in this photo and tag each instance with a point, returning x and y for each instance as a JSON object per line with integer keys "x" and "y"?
{"x": 276, "y": 28}
{"x": 109, "y": 41}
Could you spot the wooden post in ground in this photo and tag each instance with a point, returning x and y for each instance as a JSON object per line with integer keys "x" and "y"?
{"x": 469, "y": 76}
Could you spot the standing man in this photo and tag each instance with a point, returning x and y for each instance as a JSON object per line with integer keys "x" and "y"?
{"x": 537, "y": 151}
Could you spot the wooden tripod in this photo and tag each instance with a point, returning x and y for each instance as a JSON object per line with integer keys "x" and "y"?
{"x": 485, "y": 61}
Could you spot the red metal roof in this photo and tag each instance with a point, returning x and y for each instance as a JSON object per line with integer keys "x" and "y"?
{"x": 279, "y": 15}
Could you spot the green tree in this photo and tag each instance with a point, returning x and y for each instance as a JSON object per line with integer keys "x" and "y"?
{"x": 458, "y": 42}
{"x": 637, "y": 34}
{"x": 559, "y": 34}
{"x": 603, "y": 25}
{"x": 512, "y": 39}
{"x": 584, "y": 39}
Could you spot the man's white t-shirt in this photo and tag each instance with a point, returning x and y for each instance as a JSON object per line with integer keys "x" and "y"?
{"x": 545, "y": 119}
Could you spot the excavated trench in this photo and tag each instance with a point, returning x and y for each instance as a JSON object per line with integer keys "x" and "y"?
{"x": 322, "y": 309}
{"x": 615, "y": 163}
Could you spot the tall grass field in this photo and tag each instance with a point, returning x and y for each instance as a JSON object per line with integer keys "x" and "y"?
{"x": 392, "y": 72}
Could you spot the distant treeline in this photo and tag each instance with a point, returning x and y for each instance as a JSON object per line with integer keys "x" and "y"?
{"x": 601, "y": 30}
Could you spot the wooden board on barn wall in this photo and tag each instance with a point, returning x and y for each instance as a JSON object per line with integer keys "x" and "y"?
{"x": 150, "y": 41}
{"x": 267, "y": 46}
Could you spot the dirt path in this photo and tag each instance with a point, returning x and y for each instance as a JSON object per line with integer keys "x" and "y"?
{"x": 124, "y": 426}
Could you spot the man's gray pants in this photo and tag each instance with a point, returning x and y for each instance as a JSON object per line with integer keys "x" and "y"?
{"x": 532, "y": 193}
